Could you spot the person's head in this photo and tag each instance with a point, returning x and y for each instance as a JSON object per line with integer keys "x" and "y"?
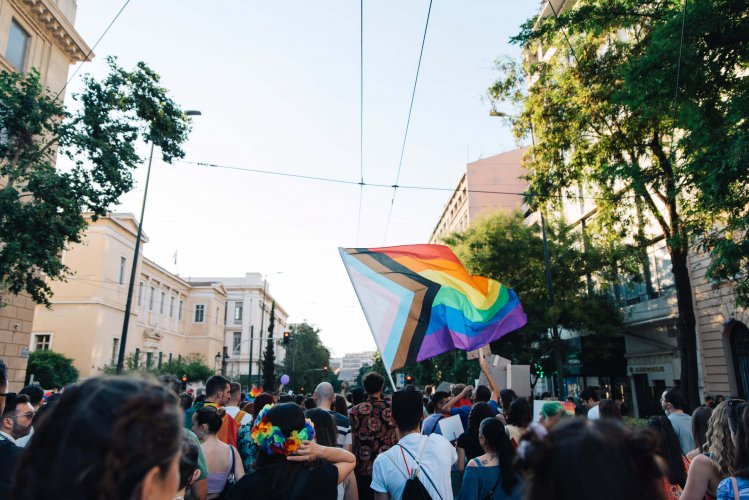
{"x": 439, "y": 399}
{"x": 170, "y": 382}
{"x": 277, "y": 433}
{"x": 326, "y": 432}
{"x": 506, "y": 397}
{"x": 700, "y": 418}
{"x": 551, "y": 413}
{"x": 456, "y": 389}
{"x": 18, "y": 415}
{"x": 621, "y": 461}
{"x": 669, "y": 449}
{"x": 373, "y": 383}
{"x": 428, "y": 391}
{"x": 3, "y": 385}
{"x": 719, "y": 441}
{"x": 672, "y": 401}
{"x": 285, "y": 398}
{"x": 207, "y": 421}
{"x": 719, "y": 399}
{"x": 482, "y": 394}
{"x": 357, "y": 395}
{"x": 185, "y": 401}
{"x": 235, "y": 394}
{"x": 589, "y": 398}
{"x": 106, "y": 438}
{"x": 407, "y": 410}
{"x": 479, "y": 412}
{"x": 309, "y": 403}
{"x": 299, "y": 400}
{"x": 520, "y": 413}
{"x": 340, "y": 405}
{"x": 35, "y": 394}
{"x": 217, "y": 390}
{"x": 261, "y": 400}
{"x": 493, "y": 439}
{"x": 609, "y": 409}
{"x": 739, "y": 423}
{"x": 324, "y": 396}
{"x": 188, "y": 463}
{"x": 709, "y": 401}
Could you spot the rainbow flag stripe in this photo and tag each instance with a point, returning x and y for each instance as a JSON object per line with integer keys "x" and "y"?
{"x": 420, "y": 301}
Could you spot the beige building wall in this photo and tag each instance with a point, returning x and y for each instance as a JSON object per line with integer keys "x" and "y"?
{"x": 484, "y": 188}
{"x": 52, "y": 47}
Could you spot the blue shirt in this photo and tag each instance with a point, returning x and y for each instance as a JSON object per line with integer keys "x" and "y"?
{"x": 725, "y": 489}
{"x": 464, "y": 411}
{"x": 479, "y": 481}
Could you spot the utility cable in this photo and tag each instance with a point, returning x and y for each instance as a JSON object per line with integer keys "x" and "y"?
{"x": 361, "y": 117}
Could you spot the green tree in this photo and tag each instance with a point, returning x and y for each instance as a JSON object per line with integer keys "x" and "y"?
{"x": 193, "y": 366}
{"x": 51, "y": 369}
{"x": 269, "y": 360}
{"x": 306, "y": 358}
{"x": 41, "y": 206}
{"x": 509, "y": 249}
{"x": 609, "y": 119}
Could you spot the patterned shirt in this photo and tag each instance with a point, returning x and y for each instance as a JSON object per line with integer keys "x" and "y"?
{"x": 372, "y": 432}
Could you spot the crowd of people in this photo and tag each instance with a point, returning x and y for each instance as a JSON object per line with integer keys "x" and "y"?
{"x": 127, "y": 438}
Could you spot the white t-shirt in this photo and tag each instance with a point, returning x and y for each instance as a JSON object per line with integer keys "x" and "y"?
{"x": 436, "y": 462}
{"x": 233, "y": 410}
{"x": 593, "y": 413}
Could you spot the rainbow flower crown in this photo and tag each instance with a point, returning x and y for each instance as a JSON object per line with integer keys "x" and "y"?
{"x": 271, "y": 439}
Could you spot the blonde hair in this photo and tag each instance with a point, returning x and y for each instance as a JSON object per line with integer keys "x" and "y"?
{"x": 719, "y": 442}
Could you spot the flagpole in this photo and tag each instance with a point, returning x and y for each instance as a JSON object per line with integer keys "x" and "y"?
{"x": 387, "y": 368}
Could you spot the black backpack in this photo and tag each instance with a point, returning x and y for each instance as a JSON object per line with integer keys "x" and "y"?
{"x": 415, "y": 489}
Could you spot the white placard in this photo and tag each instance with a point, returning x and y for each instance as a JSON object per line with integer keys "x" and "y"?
{"x": 451, "y": 427}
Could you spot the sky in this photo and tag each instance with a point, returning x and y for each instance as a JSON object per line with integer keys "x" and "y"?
{"x": 278, "y": 86}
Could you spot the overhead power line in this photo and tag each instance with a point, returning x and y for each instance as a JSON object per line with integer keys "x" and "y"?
{"x": 408, "y": 122}
{"x": 361, "y": 116}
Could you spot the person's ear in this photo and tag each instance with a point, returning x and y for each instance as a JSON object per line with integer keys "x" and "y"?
{"x": 195, "y": 476}
{"x": 150, "y": 483}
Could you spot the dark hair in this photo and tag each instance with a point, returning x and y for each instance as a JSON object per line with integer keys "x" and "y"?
{"x": 288, "y": 417}
{"x": 170, "y": 382}
{"x": 439, "y": 397}
{"x": 498, "y": 442}
{"x": 299, "y": 399}
{"x": 235, "y": 389}
{"x": 188, "y": 461}
{"x": 261, "y": 400}
{"x": 3, "y": 373}
{"x": 326, "y": 432}
{"x": 285, "y": 398}
{"x": 506, "y": 397}
{"x": 211, "y": 416}
{"x": 700, "y": 417}
{"x": 43, "y": 410}
{"x": 215, "y": 384}
{"x": 675, "y": 398}
{"x": 479, "y": 413}
{"x": 340, "y": 405}
{"x": 200, "y": 398}
{"x": 669, "y": 449}
{"x": 11, "y": 401}
{"x": 520, "y": 413}
{"x": 621, "y": 460}
{"x": 482, "y": 394}
{"x": 185, "y": 401}
{"x": 407, "y": 409}
{"x": 373, "y": 382}
{"x": 34, "y": 392}
{"x": 609, "y": 409}
{"x": 309, "y": 403}
{"x": 357, "y": 395}
{"x": 100, "y": 441}
{"x": 740, "y": 414}
{"x": 589, "y": 394}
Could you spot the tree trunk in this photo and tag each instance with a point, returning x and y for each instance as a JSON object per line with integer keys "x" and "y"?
{"x": 557, "y": 340}
{"x": 687, "y": 324}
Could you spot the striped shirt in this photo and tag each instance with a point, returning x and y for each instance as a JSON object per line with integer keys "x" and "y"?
{"x": 344, "y": 428}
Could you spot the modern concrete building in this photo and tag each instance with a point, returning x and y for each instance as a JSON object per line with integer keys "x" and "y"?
{"x": 486, "y": 186}
{"x": 35, "y": 34}
{"x": 352, "y": 362}
{"x": 171, "y": 317}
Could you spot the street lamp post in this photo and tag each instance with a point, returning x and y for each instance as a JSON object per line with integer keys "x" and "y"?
{"x": 134, "y": 268}
{"x": 262, "y": 323}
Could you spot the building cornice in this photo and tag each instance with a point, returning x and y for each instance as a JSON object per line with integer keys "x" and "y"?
{"x": 50, "y": 20}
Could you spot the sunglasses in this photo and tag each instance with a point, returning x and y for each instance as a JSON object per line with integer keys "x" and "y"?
{"x": 28, "y": 414}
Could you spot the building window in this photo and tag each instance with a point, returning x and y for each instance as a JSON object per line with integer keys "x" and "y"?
{"x": 238, "y": 312}
{"x": 237, "y": 342}
{"x": 150, "y": 299}
{"x": 179, "y": 311}
{"x": 171, "y": 307}
{"x": 161, "y": 304}
{"x": 115, "y": 350}
{"x": 42, "y": 342}
{"x": 123, "y": 261}
{"x": 18, "y": 44}
{"x": 199, "y": 316}
{"x": 140, "y": 294}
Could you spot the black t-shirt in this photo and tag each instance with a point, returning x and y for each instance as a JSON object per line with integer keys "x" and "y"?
{"x": 10, "y": 454}
{"x": 470, "y": 443}
{"x": 321, "y": 485}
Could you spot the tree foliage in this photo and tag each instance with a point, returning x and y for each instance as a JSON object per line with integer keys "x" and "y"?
{"x": 51, "y": 370}
{"x": 269, "y": 360}
{"x": 609, "y": 120}
{"x": 41, "y": 206}
{"x": 306, "y": 358}
{"x": 193, "y": 366}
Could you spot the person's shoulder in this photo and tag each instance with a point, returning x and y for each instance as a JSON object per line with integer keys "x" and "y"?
{"x": 8, "y": 450}
{"x": 254, "y": 483}
{"x": 340, "y": 420}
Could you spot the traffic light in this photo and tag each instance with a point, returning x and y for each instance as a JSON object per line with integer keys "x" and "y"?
{"x": 408, "y": 379}
{"x": 286, "y": 338}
